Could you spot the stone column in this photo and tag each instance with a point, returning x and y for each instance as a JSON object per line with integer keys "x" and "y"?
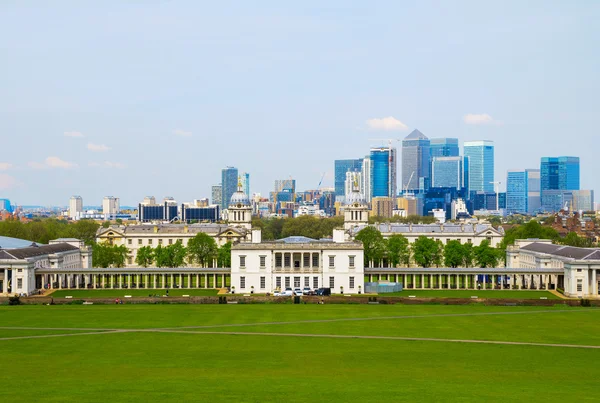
{"x": 5, "y": 282}
{"x": 215, "y": 279}
{"x": 206, "y": 281}
{"x": 197, "y": 280}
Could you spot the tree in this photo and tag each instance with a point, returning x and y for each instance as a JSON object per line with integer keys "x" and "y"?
{"x": 224, "y": 255}
{"x": 145, "y": 256}
{"x": 177, "y": 254}
{"x": 533, "y": 229}
{"x": 373, "y": 244}
{"x": 398, "y": 250}
{"x": 161, "y": 256}
{"x": 104, "y": 255}
{"x": 202, "y": 249}
{"x": 485, "y": 255}
{"x": 468, "y": 254}
{"x": 454, "y": 254}
{"x": 426, "y": 251}
{"x": 572, "y": 239}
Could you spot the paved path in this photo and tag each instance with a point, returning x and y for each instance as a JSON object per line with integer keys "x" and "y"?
{"x": 43, "y": 336}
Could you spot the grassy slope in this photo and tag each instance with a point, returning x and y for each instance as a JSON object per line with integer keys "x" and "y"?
{"x": 182, "y": 367}
{"x": 517, "y": 294}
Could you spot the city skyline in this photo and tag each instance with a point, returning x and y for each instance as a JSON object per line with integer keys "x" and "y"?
{"x": 194, "y": 89}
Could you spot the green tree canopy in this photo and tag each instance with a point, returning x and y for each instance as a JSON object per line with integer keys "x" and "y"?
{"x": 398, "y": 250}
{"x": 202, "y": 249}
{"x": 454, "y": 254}
{"x": 105, "y": 255}
{"x": 224, "y": 255}
{"x": 426, "y": 251}
{"x": 485, "y": 255}
{"x": 572, "y": 239}
{"x": 145, "y": 256}
{"x": 533, "y": 229}
{"x": 373, "y": 244}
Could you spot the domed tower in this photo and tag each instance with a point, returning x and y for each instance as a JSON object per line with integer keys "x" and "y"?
{"x": 356, "y": 210}
{"x": 240, "y": 209}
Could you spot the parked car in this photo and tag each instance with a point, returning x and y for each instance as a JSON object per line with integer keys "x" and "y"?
{"x": 288, "y": 292}
{"x": 324, "y": 292}
{"x": 298, "y": 291}
{"x": 278, "y": 293}
{"x": 306, "y": 291}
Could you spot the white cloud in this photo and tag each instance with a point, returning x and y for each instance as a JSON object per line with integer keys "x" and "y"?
{"x": 5, "y": 166}
{"x": 97, "y": 147}
{"x": 52, "y": 162}
{"x": 111, "y": 164}
{"x": 480, "y": 119}
{"x": 389, "y": 123}
{"x": 182, "y": 133}
{"x": 7, "y": 182}
{"x": 73, "y": 134}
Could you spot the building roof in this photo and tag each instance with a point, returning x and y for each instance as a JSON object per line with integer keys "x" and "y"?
{"x": 7, "y": 242}
{"x": 470, "y": 270}
{"x": 424, "y": 229}
{"x": 175, "y": 229}
{"x": 34, "y": 251}
{"x": 569, "y": 252}
{"x": 416, "y": 135}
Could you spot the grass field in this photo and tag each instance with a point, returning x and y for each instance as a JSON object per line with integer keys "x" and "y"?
{"x": 173, "y": 292}
{"x": 517, "y": 294}
{"x": 298, "y": 353}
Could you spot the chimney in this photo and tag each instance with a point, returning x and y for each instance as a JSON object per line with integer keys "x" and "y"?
{"x": 256, "y": 236}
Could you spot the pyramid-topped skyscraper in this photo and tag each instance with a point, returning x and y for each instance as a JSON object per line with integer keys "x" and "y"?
{"x": 415, "y": 162}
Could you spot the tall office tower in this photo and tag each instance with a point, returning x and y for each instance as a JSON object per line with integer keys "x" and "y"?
{"x": 583, "y": 200}
{"x": 216, "y": 194}
{"x": 447, "y": 172}
{"x": 245, "y": 181}
{"x": 366, "y": 178}
{"x": 110, "y": 207}
{"x": 443, "y": 147}
{"x": 229, "y": 183}
{"x": 516, "y": 192}
{"x": 340, "y": 169}
{"x": 415, "y": 162}
{"x": 480, "y": 168}
{"x": 534, "y": 198}
{"x": 75, "y": 207}
{"x": 383, "y": 172}
{"x": 557, "y": 173}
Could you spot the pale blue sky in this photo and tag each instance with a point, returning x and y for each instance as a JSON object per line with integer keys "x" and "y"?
{"x": 173, "y": 91}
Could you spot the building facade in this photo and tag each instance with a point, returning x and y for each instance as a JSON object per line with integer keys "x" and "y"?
{"x": 75, "y": 207}
{"x": 447, "y": 172}
{"x": 383, "y": 172}
{"x": 523, "y": 191}
{"x": 229, "y": 184}
{"x": 479, "y": 157}
{"x": 444, "y": 147}
{"x": 341, "y": 167}
{"x": 557, "y": 174}
{"x": 216, "y": 194}
{"x": 416, "y": 156}
{"x": 110, "y": 207}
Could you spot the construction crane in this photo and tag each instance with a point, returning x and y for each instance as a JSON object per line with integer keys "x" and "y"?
{"x": 321, "y": 181}
{"x": 388, "y": 140}
{"x": 408, "y": 183}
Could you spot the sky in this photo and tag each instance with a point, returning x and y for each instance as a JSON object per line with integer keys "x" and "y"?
{"x": 135, "y": 98}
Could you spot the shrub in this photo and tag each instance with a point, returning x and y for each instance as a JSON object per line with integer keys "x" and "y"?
{"x": 585, "y": 302}
{"x": 15, "y": 300}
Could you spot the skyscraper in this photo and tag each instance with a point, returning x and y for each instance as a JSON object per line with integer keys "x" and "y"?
{"x": 480, "y": 158}
{"x": 415, "y": 161}
{"x": 447, "y": 172}
{"x": 516, "y": 191}
{"x": 75, "y": 207}
{"x": 245, "y": 181}
{"x": 340, "y": 169}
{"x": 366, "y": 178}
{"x": 110, "y": 207}
{"x": 229, "y": 183}
{"x": 444, "y": 147}
{"x": 383, "y": 172}
{"x": 557, "y": 173}
{"x": 217, "y": 194}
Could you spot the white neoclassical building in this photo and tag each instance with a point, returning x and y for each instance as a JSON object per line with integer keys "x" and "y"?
{"x": 297, "y": 262}
{"x": 580, "y": 266}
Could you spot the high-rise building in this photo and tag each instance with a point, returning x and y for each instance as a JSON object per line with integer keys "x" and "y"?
{"x": 583, "y": 200}
{"x": 245, "y": 181}
{"x": 557, "y": 173}
{"x": 443, "y": 147}
{"x": 534, "y": 199}
{"x": 366, "y": 178}
{"x": 516, "y": 192}
{"x": 229, "y": 184}
{"x": 447, "y": 172}
{"x": 216, "y": 194}
{"x": 340, "y": 169}
{"x": 415, "y": 162}
{"x": 75, "y": 207}
{"x": 383, "y": 172}
{"x": 382, "y": 207}
{"x": 479, "y": 157}
{"x": 110, "y": 207}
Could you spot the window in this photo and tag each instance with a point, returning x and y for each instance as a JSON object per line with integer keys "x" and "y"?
{"x": 315, "y": 282}
{"x": 315, "y": 260}
{"x": 129, "y": 241}
{"x": 19, "y": 283}
{"x": 296, "y": 264}
{"x": 278, "y": 282}
{"x": 331, "y": 282}
{"x": 287, "y": 282}
{"x": 331, "y": 261}
{"x": 351, "y": 283}
{"x": 160, "y": 241}
{"x": 278, "y": 260}
{"x": 579, "y": 285}
{"x": 242, "y": 261}
{"x": 19, "y": 270}
{"x": 262, "y": 283}
{"x": 578, "y": 271}
{"x": 150, "y": 241}
{"x": 129, "y": 260}
{"x": 306, "y": 281}
{"x": 139, "y": 241}
{"x": 286, "y": 260}
{"x": 351, "y": 258}
{"x": 242, "y": 282}
{"x": 263, "y": 260}
{"x": 170, "y": 242}
{"x": 296, "y": 282}
{"x": 469, "y": 240}
{"x": 306, "y": 258}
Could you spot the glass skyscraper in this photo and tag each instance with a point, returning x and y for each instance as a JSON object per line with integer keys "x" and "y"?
{"x": 415, "y": 162}
{"x": 245, "y": 181}
{"x": 557, "y": 173}
{"x": 443, "y": 147}
{"x": 516, "y": 192}
{"x": 340, "y": 169}
{"x": 480, "y": 158}
{"x": 383, "y": 172}
{"x": 447, "y": 172}
{"x": 229, "y": 183}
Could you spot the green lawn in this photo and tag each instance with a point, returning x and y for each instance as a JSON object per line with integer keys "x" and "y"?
{"x": 160, "y": 366}
{"x": 517, "y": 294}
{"x": 173, "y": 292}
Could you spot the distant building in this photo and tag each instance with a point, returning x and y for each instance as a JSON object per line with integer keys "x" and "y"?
{"x": 557, "y": 174}
{"x": 151, "y": 211}
{"x": 353, "y": 183}
{"x": 366, "y": 178}
{"x": 415, "y": 162}
{"x": 480, "y": 159}
{"x": 110, "y": 207}
{"x": 75, "y": 207}
{"x": 217, "y": 194}
{"x": 245, "y": 181}
{"x": 382, "y": 207}
{"x": 5, "y": 205}
{"x": 523, "y": 191}
{"x": 443, "y": 147}
{"x": 341, "y": 167}
{"x": 447, "y": 172}
{"x": 383, "y": 172}
{"x": 229, "y": 183}
{"x": 193, "y": 213}
{"x": 583, "y": 200}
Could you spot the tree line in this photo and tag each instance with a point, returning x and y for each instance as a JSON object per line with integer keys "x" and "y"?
{"x": 425, "y": 252}
{"x": 46, "y": 229}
